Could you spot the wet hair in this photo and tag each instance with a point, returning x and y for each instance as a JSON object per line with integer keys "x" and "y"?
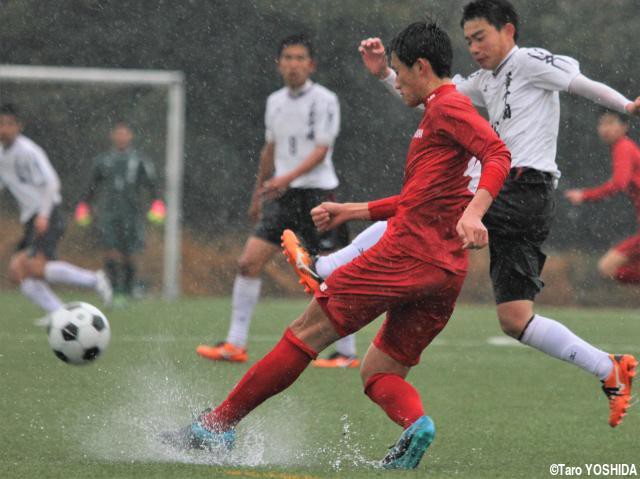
{"x": 424, "y": 39}
{"x": 297, "y": 39}
{"x": 120, "y": 124}
{"x": 496, "y": 12}
{"x": 10, "y": 109}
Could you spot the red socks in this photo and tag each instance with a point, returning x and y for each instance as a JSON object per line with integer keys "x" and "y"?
{"x": 396, "y": 397}
{"x": 271, "y": 375}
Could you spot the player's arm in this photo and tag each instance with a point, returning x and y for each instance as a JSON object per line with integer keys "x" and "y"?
{"x": 265, "y": 171}
{"x": 46, "y": 179}
{"x": 276, "y": 186}
{"x": 158, "y": 210}
{"x": 329, "y": 215}
{"x": 462, "y": 123}
{"x": 619, "y": 181}
{"x": 603, "y": 95}
{"x": 82, "y": 213}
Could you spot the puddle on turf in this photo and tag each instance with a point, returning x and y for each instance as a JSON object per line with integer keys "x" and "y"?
{"x": 154, "y": 402}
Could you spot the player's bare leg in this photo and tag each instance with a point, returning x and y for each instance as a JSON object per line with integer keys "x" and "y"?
{"x": 35, "y": 289}
{"x": 246, "y": 292}
{"x": 518, "y": 320}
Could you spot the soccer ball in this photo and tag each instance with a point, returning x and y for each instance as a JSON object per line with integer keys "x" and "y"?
{"x": 78, "y": 333}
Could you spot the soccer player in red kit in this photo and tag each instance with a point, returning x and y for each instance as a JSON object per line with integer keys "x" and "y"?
{"x": 414, "y": 273}
{"x": 622, "y": 262}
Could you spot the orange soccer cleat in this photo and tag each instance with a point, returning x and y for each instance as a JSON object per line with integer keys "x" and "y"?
{"x": 301, "y": 260}
{"x": 337, "y": 360}
{"x": 617, "y": 386}
{"x": 223, "y": 352}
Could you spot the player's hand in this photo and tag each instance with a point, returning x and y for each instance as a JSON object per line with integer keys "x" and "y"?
{"x": 575, "y": 196}
{"x": 374, "y": 57}
{"x": 157, "y": 213}
{"x": 82, "y": 214}
{"x": 41, "y": 224}
{"x": 274, "y": 188}
{"x": 633, "y": 108}
{"x": 328, "y": 215}
{"x": 471, "y": 231}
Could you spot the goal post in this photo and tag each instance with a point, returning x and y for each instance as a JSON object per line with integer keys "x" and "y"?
{"x": 173, "y": 82}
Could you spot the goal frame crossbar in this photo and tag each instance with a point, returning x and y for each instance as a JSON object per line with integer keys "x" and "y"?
{"x": 174, "y": 84}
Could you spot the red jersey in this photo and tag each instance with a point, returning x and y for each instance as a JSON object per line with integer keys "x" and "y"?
{"x": 423, "y": 217}
{"x": 625, "y": 175}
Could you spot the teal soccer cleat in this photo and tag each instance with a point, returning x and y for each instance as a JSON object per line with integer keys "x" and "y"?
{"x": 414, "y": 441}
{"x": 195, "y": 436}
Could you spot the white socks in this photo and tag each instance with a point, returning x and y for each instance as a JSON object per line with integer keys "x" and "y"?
{"x": 246, "y": 292}
{"x": 39, "y": 292}
{"x": 325, "y": 265}
{"x": 347, "y": 345}
{"x": 558, "y": 341}
{"x": 67, "y": 273}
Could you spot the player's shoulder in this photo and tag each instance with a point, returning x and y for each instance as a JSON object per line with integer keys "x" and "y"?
{"x": 27, "y": 145}
{"x": 278, "y": 95}
{"x": 323, "y": 92}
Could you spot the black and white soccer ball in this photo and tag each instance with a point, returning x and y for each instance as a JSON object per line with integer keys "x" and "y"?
{"x": 78, "y": 333}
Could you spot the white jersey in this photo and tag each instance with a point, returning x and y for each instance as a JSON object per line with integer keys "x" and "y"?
{"x": 521, "y": 97}
{"x": 297, "y": 122}
{"x": 26, "y": 171}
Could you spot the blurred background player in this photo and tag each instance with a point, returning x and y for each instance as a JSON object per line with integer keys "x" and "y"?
{"x": 519, "y": 88}
{"x": 121, "y": 174}
{"x": 622, "y": 262}
{"x": 295, "y": 174}
{"x": 26, "y": 172}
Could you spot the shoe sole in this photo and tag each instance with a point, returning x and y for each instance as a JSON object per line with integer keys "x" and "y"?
{"x": 310, "y": 285}
{"x": 351, "y": 365}
{"x": 421, "y": 439}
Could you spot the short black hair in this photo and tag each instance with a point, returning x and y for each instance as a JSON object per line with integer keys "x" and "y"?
{"x": 424, "y": 39}
{"x": 296, "y": 39}
{"x": 10, "y": 109}
{"x": 496, "y": 12}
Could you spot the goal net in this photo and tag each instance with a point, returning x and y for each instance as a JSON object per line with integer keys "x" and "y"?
{"x": 69, "y": 112}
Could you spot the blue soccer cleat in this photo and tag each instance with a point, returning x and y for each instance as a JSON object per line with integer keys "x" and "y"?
{"x": 196, "y": 436}
{"x": 414, "y": 441}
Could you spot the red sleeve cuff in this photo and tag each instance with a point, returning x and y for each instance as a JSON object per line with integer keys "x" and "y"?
{"x": 384, "y": 208}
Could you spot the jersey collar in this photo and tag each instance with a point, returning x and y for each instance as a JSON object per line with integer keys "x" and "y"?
{"x": 504, "y": 62}
{"x": 441, "y": 90}
{"x": 303, "y": 90}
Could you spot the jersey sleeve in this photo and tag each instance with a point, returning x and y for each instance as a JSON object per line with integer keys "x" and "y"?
{"x": 470, "y": 86}
{"x": 269, "y": 135}
{"x": 464, "y": 125}
{"x": 44, "y": 177}
{"x": 546, "y": 70}
{"x": 621, "y": 175}
{"x": 384, "y": 208}
{"x": 327, "y": 124}
{"x": 149, "y": 177}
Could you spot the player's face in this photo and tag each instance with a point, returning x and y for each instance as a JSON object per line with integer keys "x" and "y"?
{"x": 488, "y": 45}
{"x": 408, "y": 81}
{"x": 611, "y": 128}
{"x": 121, "y": 137}
{"x": 10, "y": 128}
{"x": 295, "y": 65}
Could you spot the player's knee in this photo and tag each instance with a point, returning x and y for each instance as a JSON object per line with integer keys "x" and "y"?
{"x": 16, "y": 270}
{"x": 606, "y": 269}
{"x": 248, "y": 268}
{"x": 34, "y": 267}
{"x": 511, "y": 325}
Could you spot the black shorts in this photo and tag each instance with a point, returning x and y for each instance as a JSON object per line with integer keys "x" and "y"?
{"x": 47, "y": 243}
{"x": 519, "y": 221}
{"x": 292, "y": 211}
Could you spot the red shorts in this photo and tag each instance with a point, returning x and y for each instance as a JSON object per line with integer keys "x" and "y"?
{"x": 418, "y": 298}
{"x": 630, "y": 247}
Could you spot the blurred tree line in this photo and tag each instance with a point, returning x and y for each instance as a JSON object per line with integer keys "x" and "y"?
{"x": 227, "y": 51}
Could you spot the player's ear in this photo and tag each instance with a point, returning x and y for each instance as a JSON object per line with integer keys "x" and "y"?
{"x": 423, "y": 66}
{"x": 510, "y": 29}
